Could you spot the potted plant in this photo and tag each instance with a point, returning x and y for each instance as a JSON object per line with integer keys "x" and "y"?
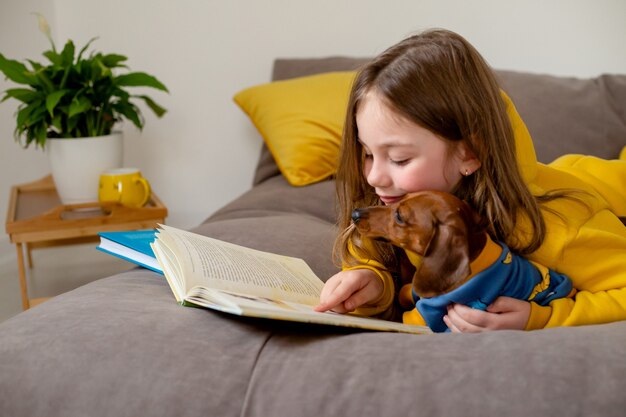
{"x": 70, "y": 105}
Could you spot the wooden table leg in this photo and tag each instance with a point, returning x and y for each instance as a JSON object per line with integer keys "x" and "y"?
{"x": 29, "y": 256}
{"x": 22, "y": 272}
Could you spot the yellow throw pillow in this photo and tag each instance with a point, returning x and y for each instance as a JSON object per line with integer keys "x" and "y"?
{"x": 301, "y": 121}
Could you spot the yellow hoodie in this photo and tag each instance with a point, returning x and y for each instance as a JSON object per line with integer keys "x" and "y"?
{"x": 587, "y": 242}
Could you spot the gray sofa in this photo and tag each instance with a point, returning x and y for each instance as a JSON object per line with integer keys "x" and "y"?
{"x": 121, "y": 346}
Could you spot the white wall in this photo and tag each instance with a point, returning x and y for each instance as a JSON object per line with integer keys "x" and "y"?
{"x": 202, "y": 153}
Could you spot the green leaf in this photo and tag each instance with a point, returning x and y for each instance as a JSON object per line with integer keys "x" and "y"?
{"x": 53, "y": 99}
{"x": 38, "y": 115}
{"x": 44, "y": 80}
{"x": 35, "y": 65}
{"x": 66, "y": 74}
{"x": 104, "y": 70}
{"x": 71, "y": 125}
{"x": 80, "y": 54}
{"x": 53, "y": 57}
{"x": 118, "y": 92}
{"x": 113, "y": 60}
{"x": 82, "y": 71}
{"x": 56, "y": 122}
{"x": 22, "y": 94}
{"x": 67, "y": 56}
{"x": 131, "y": 112}
{"x": 139, "y": 79}
{"x": 23, "y": 113}
{"x": 79, "y": 105}
{"x": 15, "y": 71}
{"x": 41, "y": 133}
{"x": 157, "y": 109}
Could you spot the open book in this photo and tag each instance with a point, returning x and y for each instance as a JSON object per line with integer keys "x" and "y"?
{"x": 210, "y": 273}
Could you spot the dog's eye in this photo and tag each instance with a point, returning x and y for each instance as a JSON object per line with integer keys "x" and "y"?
{"x": 398, "y": 217}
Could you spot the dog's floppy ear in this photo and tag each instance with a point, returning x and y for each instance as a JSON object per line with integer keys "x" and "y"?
{"x": 422, "y": 234}
{"x": 446, "y": 262}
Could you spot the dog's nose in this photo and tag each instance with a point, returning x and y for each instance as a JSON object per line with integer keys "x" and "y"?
{"x": 357, "y": 215}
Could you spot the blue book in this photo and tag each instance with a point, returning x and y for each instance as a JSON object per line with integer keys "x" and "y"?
{"x": 132, "y": 246}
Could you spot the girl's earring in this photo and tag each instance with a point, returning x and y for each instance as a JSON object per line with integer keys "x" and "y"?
{"x": 467, "y": 172}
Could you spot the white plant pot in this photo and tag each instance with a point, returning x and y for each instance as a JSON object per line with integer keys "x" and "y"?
{"x": 77, "y": 163}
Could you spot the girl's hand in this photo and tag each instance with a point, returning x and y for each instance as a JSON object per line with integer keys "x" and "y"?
{"x": 504, "y": 313}
{"x": 348, "y": 290}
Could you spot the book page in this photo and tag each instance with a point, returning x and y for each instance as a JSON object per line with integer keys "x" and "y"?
{"x": 171, "y": 269}
{"x": 212, "y": 263}
{"x": 252, "y": 306}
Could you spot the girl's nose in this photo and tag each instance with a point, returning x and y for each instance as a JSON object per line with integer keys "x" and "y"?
{"x": 376, "y": 175}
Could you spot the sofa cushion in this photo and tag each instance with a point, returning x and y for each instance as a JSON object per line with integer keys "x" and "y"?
{"x": 566, "y": 115}
{"x": 560, "y": 371}
{"x": 122, "y": 346}
{"x": 301, "y": 121}
{"x": 276, "y": 195}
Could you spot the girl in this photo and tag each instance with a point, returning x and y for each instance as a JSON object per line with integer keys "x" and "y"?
{"x": 428, "y": 114}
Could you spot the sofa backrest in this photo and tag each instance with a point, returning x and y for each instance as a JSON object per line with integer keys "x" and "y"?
{"x": 563, "y": 114}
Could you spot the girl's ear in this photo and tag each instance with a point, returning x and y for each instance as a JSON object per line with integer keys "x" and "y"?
{"x": 468, "y": 162}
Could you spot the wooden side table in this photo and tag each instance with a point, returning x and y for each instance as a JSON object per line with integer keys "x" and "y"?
{"x": 37, "y": 218}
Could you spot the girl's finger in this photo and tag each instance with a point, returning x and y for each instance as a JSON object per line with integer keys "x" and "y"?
{"x": 333, "y": 299}
{"x": 457, "y": 316}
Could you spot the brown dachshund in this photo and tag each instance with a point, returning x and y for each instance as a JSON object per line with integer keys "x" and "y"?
{"x": 454, "y": 259}
{"x": 442, "y": 229}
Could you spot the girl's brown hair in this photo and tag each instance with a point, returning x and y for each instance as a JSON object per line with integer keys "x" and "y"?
{"x": 439, "y": 81}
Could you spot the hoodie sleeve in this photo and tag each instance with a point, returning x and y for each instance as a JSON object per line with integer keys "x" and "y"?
{"x": 381, "y": 307}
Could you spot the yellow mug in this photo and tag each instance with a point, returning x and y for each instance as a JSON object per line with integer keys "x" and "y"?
{"x": 125, "y": 186}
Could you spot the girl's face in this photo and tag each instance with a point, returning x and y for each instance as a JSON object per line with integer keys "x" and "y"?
{"x": 402, "y": 157}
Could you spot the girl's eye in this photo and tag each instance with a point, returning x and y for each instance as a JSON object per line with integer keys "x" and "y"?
{"x": 400, "y": 162}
